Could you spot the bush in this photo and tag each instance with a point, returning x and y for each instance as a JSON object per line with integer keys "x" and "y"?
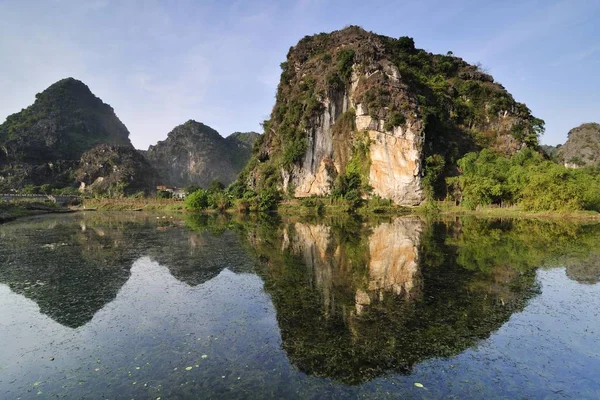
{"x": 191, "y": 189}
{"x": 345, "y": 59}
{"x": 216, "y": 186}
{"x": 197, "y": 201}
{"x": 46, "y": 189}
{"x": 267, "y": 199}
{"x": 164, "y": 194}
{"x": 219, "y": 201}
{"x": 396, "y": 119}
{"x": 294, "y": 151}
{"x": 525, "y": 179}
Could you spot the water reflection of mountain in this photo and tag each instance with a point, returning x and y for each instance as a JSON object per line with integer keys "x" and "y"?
{"x": 354, "y": 302}
{"x": 73, "y": 265}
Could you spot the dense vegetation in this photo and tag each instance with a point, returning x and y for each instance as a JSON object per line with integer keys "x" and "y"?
{"x": 525, "y": 179}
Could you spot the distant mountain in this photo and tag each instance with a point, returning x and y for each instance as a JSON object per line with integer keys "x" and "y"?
{"x": 582, "y": 147}
{"x": 44, "y": 142}
{"x": 244, "y": 142}
{"x": 550, "y": 150}
{"x": 194, "y": 153}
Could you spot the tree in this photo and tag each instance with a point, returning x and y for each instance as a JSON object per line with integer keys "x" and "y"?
{"x": 197, "y": 201}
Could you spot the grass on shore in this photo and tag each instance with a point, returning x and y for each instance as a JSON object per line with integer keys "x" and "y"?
{"x": 450, "y": 209}
{"x": 317, "y": 207}
{"x": 132, "y": 204}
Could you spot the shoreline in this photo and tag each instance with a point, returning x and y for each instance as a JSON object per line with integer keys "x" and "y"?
{"x": 10, "y": 211}
{"x": 290, "y": 209}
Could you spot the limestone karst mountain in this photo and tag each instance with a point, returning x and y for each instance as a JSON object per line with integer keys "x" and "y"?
{"x": 194, "y": 153}
{"x": 396, "y": 118}
{"x": 70, "y": 137}
{"x": 582, "y": 147}
{"x": 44, "y": 142}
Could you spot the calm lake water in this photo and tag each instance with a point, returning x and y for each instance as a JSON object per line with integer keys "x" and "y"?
{"x": 121, "y": 305}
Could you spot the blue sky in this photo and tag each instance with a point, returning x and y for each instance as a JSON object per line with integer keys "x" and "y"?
{"x": 161, "y": 63}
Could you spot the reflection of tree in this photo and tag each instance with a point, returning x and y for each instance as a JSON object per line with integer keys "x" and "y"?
{"x": 524, "y": 244}
{"x": 353, "y": 304}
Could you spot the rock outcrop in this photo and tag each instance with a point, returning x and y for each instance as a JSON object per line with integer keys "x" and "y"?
{"x": 44, "y": 142}
{"x": 115, "y": 170}
{"x": 582, "y": 147}
{"x": 194, "y": 153}
{"x": 353, "y": 102}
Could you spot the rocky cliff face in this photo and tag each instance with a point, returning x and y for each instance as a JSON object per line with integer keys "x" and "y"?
{"x": 194, "y": 153}
{"x": 353, "y": 102}
{"x": 115, "y": 170}
{"x": 582, "y": 147}
{"x": 42, "y": 143}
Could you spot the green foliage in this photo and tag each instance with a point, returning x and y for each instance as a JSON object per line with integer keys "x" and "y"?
{"x": 197, "y": 201}
{"x": 294, "y": 150}
{"x": 164, "y": 194}
{"x": 191, "y": 189}
{"x": 433, "y": 176}
{"x": 525, "y": 179}
{"x": 267, "y": 199}
{"x": 31, "y": 189}
{"x": 216, "y": 186}
{"x": 46, "y": 188}
{"x": 407, "y": 44}
{"x": 345, "y": 59}
{"x": 396, "y": 119}
{"x": 219, "y": 200}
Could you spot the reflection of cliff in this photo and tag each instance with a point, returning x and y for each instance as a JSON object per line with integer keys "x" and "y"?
{"x": 394, "y": 259}
{"x": 73, "y": 265}
{"x": 354, "y": 302}
{"x": 384, "y": 262}
{"x": 525, "y": 244}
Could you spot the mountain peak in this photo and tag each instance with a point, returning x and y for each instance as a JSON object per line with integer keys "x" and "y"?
{"x": 65, "y": 121}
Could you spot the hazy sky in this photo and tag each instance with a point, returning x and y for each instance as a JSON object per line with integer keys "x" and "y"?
{"x": 161, "y": 63}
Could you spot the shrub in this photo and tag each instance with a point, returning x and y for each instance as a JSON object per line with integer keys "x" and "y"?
{"x": 294, "y": 151}
{"x": 164, "y": 194}
{"x": 216, "y": 186}
{"x": 197, "y": 201}
{"x": 46, "y": 189}
{"x": 345, "y": 59}
{"x": 191, "y": 189}
{"x": 267, "y": 199}
{"x": 219, "y": 201}
{"x": 396, "y": 119}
